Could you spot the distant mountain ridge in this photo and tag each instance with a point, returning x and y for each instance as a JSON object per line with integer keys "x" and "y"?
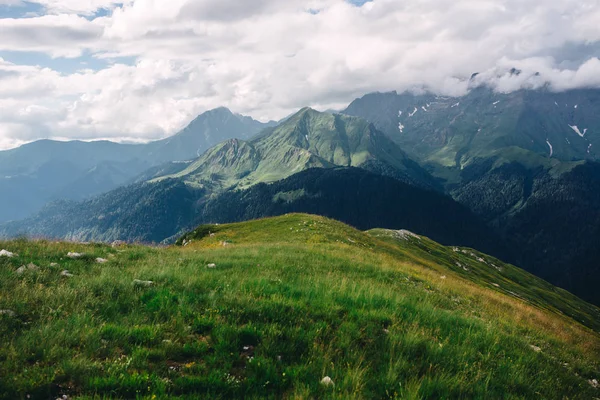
{"x": 453, "y": 131}
{"x": 43, "y": 171}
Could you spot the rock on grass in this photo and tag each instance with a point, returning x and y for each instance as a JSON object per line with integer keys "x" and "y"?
{"x": 30, "y": 267}
{"x": 140, "y": 283}
{"x": 6, "y": 253}
{"x": 327, "y": 382}
{"x": 8, "y": 313}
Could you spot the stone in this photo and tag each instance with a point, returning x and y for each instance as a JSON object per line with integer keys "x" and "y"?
{"x": 6, "y": 253}
{"x": 74, "y": 255}
{"x": 30, "y": 267}
{"x": 139, "y": 283}
{"x": 211, "y": 266}
{"x": 66, "y": 274}
{"x": 8, "y": 313}
{"x": 118, "y": 243}
{"x": 327, "y": 382}
{"x": 535, "y": 348}
{"x": 101, "y": 260}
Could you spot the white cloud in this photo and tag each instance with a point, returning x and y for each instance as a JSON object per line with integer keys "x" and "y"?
{"x": 269, "y": 57}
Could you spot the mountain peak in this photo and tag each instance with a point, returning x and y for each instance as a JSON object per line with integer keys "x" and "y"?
{"x": 219, "y": 112}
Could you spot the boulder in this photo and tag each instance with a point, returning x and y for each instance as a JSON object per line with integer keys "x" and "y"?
{"x": 66, "y": 274}
{"x": 101, "y": 260}
{"x": 74, "y": 255}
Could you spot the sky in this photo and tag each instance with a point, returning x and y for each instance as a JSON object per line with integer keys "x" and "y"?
{"x": 139, "y": 70}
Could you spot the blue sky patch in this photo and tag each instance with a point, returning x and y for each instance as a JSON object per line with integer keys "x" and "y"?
{"x": 358, "y": 3}
{"x": 26, "y": 9}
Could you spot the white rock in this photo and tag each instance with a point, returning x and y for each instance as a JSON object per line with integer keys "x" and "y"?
{"x": 327, "y": 381}
{"x": 66, "y": 274}
{"x": 101, "y": 260}
{"x": 211, "y": 266}
{"x": 74, "y": 255}
{"x": 30, "y": 267}
{"x": 535, "y": 348}
{"x": 54, "y": 265}
{"x": 140, "y": 283}
{"x": 405, "y": 235}
{"x": 5, "y": 253}
{"x": 443, "y": 277}
{"x": 594, "y": 383}
{"x": 118, "y": 243}
{"x": 9, "y": 313}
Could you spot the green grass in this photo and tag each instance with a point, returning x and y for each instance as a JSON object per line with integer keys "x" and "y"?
{"x": 292, "y": 299}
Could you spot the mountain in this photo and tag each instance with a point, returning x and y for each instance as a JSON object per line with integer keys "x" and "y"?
{"x": 554, "y": 220}
{"x": 205, "y": 131}
{"x": 524, "y": 162}
{"x": 451, "y": 132}
{"x": 297, "y": 306}
{"x": 156, "y": 212}
{"x": 42, "y": 171}
{"x": 39, "y": 172}
{"x": 308, "y": 139}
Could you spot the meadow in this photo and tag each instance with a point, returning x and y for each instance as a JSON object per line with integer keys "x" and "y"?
{"x": 268, "y": 308}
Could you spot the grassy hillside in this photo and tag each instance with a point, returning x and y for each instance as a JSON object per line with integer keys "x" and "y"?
{"x": 288, "y": 301}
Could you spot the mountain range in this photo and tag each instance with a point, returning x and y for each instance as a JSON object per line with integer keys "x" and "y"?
{"x": 518, "y": 170}
{"x": 37, "y": 173}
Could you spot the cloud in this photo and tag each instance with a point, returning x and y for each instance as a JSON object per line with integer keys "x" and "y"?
{"x": 267, "y": 58}
{"x": 58, "y": 35}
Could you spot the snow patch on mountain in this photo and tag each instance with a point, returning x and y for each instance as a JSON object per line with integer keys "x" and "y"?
{"x": 456, "y": 105}
{"x": 424, "y": 109}
{"x": 551, "y": 148}
{"x": 401, "y": 127}
{"x": 496, "y": 102}
{"x": 414, "y": 112}
{"x": 589, "y": 148}
{"x": 577, "y": 131}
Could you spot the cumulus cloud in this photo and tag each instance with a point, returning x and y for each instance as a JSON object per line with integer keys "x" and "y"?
{"x": 267, "y": 58}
